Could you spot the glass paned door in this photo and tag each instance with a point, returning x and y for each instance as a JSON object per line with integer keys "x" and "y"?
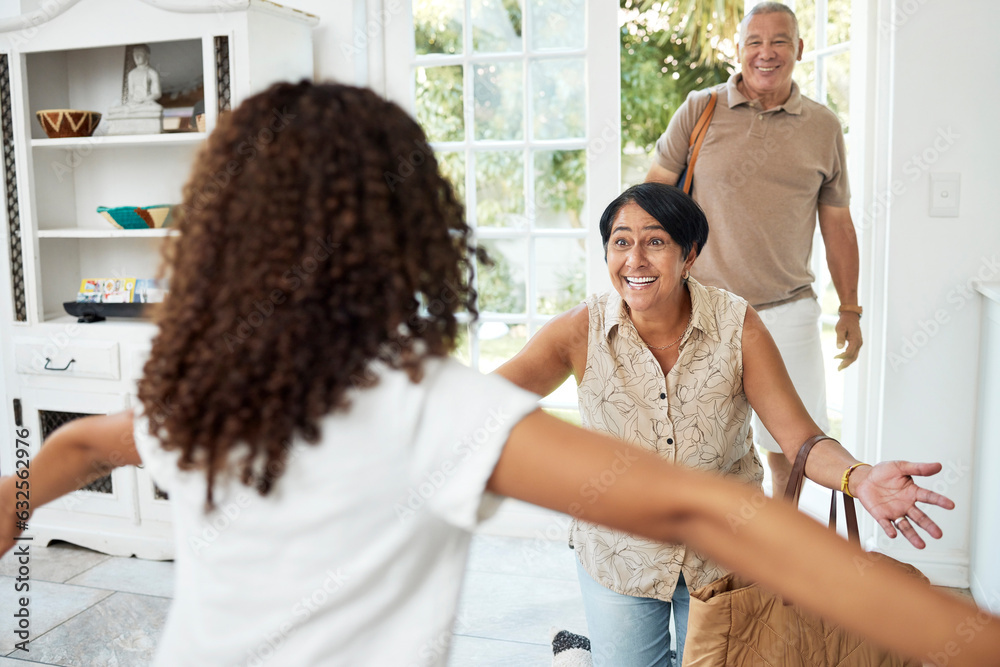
{"x": 519, "y": 99}
{"x": 824, "y": 76}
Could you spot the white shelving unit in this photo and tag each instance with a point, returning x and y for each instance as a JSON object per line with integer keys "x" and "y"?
{"x": 136, "y": 141}
{"x": 54, "y": 368}
{"x": 77, "y": 233}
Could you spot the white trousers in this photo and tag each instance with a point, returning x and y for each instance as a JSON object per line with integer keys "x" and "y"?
{"x": 795, "y": 329}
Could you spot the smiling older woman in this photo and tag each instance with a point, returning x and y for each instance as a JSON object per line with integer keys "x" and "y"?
{"x": 675, "y": 367}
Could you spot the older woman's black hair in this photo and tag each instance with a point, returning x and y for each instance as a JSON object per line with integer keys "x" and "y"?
{"x": 678, "y": 214}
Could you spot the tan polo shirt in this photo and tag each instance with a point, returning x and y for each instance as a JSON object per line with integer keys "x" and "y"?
{"x": 696, "y": 416}
{"x": 760, "y": 177}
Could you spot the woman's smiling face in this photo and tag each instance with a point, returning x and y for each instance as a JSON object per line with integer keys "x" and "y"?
{"x": 645, "y": 264}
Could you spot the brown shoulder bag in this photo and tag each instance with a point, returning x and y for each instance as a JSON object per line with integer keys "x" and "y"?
{"x": 733, "y": 622}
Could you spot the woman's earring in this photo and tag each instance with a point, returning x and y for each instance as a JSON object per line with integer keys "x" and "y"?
{"x": 687, "y": 274}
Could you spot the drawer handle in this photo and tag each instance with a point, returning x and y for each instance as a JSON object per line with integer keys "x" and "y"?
{"x": 64, "y": 368}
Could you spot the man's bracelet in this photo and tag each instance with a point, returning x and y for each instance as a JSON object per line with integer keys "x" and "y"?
{"x": 851, "y": 309}
{"x": 846, "y": 479}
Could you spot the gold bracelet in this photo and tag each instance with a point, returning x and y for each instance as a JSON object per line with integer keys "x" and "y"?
{"x": 845, "y": 480}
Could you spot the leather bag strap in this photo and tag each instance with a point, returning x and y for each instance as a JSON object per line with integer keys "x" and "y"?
{"x": 798, "y": 475}
{"x": 698, "y": 138}
{"x": 851, "y": 515}
{"x": 797, "y": 479}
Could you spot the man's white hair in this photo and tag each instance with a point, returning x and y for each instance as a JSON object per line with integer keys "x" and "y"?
{"x": 767, "y": 8}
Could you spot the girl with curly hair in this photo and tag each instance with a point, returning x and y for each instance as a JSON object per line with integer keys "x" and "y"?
{"x": 300, "y": 386}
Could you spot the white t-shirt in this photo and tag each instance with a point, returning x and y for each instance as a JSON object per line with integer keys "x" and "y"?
{"x": 357, "y": 554}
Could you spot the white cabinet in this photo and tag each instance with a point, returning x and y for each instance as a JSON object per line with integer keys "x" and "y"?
{"x": 985, "y": 578}
{"x": 54, "y": 368}
{"x": 82, "y": 358}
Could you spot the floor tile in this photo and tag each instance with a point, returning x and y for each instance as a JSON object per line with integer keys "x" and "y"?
{"x": 131, "y": 575}
{"x": 524, "y": 557}
{"x": 10, "y": 662}
{"x": 121, "y": 630}
{"x": 467, "y": 651}
{"x": 518, "y": 609}
{"x": 57, "y": 562}
{"x": 49, "y": 605}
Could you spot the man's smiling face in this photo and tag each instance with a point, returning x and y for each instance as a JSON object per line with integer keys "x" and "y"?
{"x": 768, "y": 51}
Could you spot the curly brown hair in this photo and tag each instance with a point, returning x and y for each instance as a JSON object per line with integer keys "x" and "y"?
{"x": 316, "y": 235}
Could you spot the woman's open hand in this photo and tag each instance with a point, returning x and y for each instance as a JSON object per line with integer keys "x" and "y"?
{"x": 888, "y": 492}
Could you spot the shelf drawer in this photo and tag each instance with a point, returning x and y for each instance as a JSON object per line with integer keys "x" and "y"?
{"x": 79, "y": 359}
{"x": 136, "y": 357}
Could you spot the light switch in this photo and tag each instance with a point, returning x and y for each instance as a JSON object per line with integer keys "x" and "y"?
{"x": 945, "y": 195}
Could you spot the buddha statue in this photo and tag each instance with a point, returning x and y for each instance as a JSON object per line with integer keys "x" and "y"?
{"x": 138, "y": 112}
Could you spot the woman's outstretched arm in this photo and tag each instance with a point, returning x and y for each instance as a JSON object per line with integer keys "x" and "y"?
{"x": 558, "y": 350}
{"x": 887, "y": 490}
{"x": 599, "y": 479}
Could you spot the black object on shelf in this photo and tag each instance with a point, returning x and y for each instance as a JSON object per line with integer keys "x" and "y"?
{"x": 89, "y": 312}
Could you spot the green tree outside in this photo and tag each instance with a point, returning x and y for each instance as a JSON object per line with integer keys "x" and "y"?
{"x": 669, "y": 49}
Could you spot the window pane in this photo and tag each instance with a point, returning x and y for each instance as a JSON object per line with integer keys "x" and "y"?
{"x": 558, "y": 24}
{"x": 805, "y": 76}
{"x": 452, "y": 167}
{"x": 496, "y": 25}
{"x": 560, "y": 188}
{"x": 838, "y": 30}
{"x": 461, "y": 351}
{"x": 437, "y": 26}
{"x": 501, "y": 286}
{"x": 805, "y": 12}
{"x": 559, "y": 97}
{"x": 439, "y": 102}
{"x": 499, "y": 343}
{"x": 500, "y": 189}
{"x": 571, "y": 416}
{"x": 499, "y": 91}
{"x": 566, "y": 393}
{"x": 560, "y": 274}
{"x": 838, "y": 86}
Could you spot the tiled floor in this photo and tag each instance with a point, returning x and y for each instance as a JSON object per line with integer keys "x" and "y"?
{"x": 88, "y": 609}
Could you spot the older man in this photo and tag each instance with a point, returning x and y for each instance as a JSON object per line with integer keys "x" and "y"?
{"x": 772, "y": 160}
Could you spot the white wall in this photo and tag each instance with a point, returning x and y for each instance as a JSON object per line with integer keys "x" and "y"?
{"x": 347, "y": 42}
{"x": 941, "y": 85}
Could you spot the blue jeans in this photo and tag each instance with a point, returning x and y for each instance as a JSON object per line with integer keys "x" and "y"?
{"x": 628, "y": 631}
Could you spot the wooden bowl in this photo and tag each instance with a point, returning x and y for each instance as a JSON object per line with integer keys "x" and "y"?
{"x": 63, "y": 123}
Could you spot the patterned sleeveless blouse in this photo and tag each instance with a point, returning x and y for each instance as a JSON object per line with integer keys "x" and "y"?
{"x": 697, "y": 416}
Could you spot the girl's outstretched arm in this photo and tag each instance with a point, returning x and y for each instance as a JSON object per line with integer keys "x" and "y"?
{"x": 74, "y": 455}
{"x": 599, "y": 479}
